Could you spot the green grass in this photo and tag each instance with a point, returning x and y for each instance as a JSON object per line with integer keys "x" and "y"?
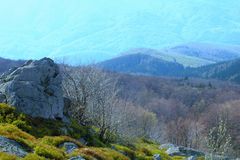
{"x": 32, "y": 156}
{"x": 42, "y": 139}
{"x": 12, "y": 132}
{"x": 5, "y": 156}
{"x": 8, "y": 114}
{"x": 50, "y": 152}
{"x": 57, "y": 140}
{"x": 91, "y": 153}
{"x": 142, "y": 149}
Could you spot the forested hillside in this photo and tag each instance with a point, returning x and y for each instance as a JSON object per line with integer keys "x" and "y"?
{"x": 226, "y": 71}
{"x": 143, "y": 64}
{"x": 149, "y": 65}
{"x": 185, "y": 108}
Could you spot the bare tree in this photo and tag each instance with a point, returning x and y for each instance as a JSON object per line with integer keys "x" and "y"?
{"x": 218, "y": 140}
{"x": 93, "y": 94}
{"x": 195, "y": 134}
{"x": 77, "y": 86}
{"x": 95, "y": 100}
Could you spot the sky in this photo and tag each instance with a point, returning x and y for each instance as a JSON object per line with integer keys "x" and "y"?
{"x": 94, "y": 30}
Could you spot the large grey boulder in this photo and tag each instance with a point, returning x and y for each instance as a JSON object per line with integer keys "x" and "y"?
{"x": 34, "y": 88}
{"x": 11, "y": 147}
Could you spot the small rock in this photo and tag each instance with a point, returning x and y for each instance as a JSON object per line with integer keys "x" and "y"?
{"x": 77, "y": 158}
{"x": 157, "y": 157}
{"x": 69, "y": 146}
{"x": 11, "y": 147}
{"x": 83, "y": 141}
{"x": 174, "y": 151}
{"x": 192, "y": 158}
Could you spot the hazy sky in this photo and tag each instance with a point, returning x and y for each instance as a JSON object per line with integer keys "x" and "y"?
{"x": 99, "y": 29}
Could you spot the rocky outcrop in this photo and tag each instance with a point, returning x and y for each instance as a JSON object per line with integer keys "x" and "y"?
{"x": 34, "y": 88}
{"x": 11, "y": 147}
{"x": 183, "y": 151}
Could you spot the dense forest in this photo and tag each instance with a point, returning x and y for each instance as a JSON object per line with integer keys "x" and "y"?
{"x": 185, "y": 108}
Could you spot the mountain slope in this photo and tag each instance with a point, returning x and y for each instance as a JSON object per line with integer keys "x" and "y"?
{"x": 185, "y": 60}
{"x": 142, "y": 64}
{"x": 208, "y": 52}
{"x": 151, "y": 65}
{"x": 228, "y": 71}
{"x": 192, "y": 54}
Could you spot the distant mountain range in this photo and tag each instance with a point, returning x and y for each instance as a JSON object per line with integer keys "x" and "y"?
{"x": 204, "y": 53}
{"x": 91, "y": 30}
{"x": 151, "y": 65}
{"x": 143, "y": 64}
{"x": 192, "y": 54}
{"x": 188, "y": 60}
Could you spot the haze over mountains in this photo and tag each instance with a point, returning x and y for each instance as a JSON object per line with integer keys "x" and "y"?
{"x": 202, "y": 60}
{"x": 93, "y": 31}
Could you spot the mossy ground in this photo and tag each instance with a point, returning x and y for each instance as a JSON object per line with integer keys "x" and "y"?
{"x": 142, "y": 150}
{"x": 42, "y": 139}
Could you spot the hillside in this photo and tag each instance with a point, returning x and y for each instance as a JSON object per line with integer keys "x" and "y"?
{"x": 192, "y": 54}
{"x": 153, "y": 66}
{"x": 226, "y": 71}
{"x": 184, "y": 103}
{"x": 185, "y": 60}
{"x": 26, "y": 138}
{"x": 37, "y": 118}
{"x": 211, "y": 53}
{"x": 142, "y": 64}
{"x": 123, "y": 113}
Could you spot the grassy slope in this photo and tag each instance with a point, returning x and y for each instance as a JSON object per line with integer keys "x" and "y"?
{"x": 43, "y": 137}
